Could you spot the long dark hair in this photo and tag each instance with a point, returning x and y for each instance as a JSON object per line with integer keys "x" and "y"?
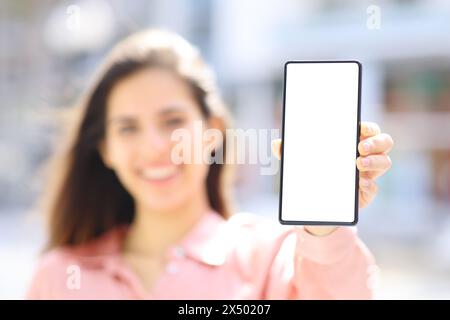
{"x": 84, "y": 198}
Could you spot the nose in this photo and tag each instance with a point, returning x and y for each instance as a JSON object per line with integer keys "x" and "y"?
{"x": 154, "y": 143}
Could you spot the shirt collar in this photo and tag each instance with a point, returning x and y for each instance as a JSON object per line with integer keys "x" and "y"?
{"x": 205, "y": 243}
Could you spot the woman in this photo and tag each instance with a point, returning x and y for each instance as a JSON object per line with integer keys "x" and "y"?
{"x": 128, "y": 223}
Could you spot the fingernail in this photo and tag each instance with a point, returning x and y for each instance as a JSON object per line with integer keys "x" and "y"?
{"x": 366, "y": 146}
{"x": 365, "y": 162}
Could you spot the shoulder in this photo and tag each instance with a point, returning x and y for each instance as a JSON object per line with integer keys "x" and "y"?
{"x": 96, "y": 249}
{"x": 55, "y": 266}
{"x": 257, "y": 227}
{"x": 51, "y": 270}
{"x": 58, "y": 260}
{"x": 257, "y": 241}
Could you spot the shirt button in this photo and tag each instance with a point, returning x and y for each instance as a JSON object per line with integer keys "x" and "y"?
{"x": 171, "y": 268}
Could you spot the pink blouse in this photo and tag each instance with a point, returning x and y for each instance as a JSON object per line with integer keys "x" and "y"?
{"x": 243, "y": 257}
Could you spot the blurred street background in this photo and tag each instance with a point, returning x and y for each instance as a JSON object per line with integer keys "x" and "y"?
{"x": 49, "y": 50}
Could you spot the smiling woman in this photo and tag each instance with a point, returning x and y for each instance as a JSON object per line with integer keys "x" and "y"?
{"x": 134, "y": 224}
{"x": 150, "y": 84}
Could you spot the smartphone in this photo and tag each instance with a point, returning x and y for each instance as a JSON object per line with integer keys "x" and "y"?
{"x": 320, "y": 135}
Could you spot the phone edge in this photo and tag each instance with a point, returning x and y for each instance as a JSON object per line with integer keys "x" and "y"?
{"x": 358, "y": 130}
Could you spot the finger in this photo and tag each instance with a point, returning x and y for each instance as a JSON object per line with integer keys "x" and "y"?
{"x": 372, "y": 174}
{"x": 369, "y": 129}
{"x": 368, "y": 185}
{"x": 276, "y": 148}
{"x": 381, "y": 143}
{"x": 377, "y": 162}
{"x": 368, "y": 189}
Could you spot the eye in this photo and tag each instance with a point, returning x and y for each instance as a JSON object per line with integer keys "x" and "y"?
{"x": 127, "y": 129}
{"x": 174, "y": 122}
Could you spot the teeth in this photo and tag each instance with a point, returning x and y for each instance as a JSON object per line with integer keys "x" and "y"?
{"x": 159, "y": 173}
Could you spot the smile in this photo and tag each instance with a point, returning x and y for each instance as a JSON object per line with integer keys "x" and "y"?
{"x": 160, "y": 173}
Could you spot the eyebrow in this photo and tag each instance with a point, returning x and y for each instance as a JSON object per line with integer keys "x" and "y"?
{"x": 121, "y": 119}
{"x": 171, "y": 109}
{"x": 130, "y": 118}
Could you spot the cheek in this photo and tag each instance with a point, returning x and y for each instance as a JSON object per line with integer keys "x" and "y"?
{"x": 120, "y": 156}
{"x": 194, "y": 168}
{"x": 196, "y": 173}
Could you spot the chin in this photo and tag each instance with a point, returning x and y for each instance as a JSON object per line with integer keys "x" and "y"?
{"x": 164, "y": 204}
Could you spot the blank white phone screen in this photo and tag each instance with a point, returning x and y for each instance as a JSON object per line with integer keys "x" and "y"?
{"x": 320, "y": 134}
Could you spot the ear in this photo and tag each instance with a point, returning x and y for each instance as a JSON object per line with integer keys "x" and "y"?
{"x": 103, "y": 151}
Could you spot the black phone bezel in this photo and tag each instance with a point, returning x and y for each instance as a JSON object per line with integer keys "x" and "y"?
{"x": 358, "y": 131}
